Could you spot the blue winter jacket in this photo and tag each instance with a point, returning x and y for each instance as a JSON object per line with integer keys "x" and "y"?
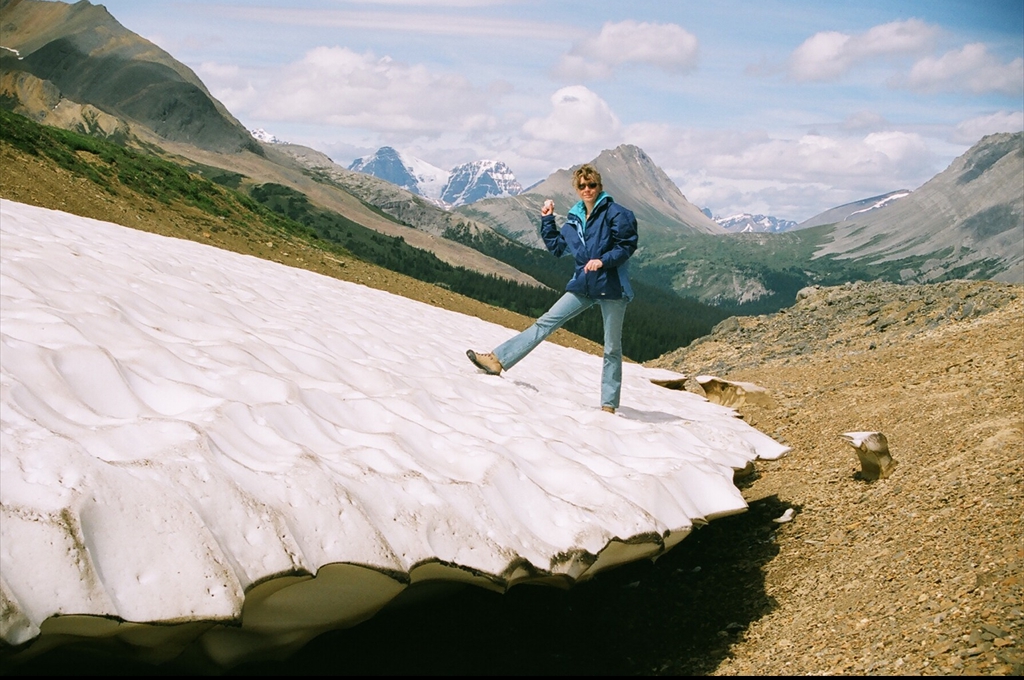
{"x": 609, "y": 235}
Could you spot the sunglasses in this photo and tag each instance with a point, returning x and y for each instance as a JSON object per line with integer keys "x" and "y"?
{"x": 587, "y": 185}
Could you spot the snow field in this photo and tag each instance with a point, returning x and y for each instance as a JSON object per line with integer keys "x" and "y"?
{"x": 189, "y": 436}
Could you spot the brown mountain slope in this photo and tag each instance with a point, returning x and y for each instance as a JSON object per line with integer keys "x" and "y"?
{"x": 39, "y": 181}
{"x": 74, "y": 66}
{"x": 919, "y": 572}
{"x": 82, "y": 50}
{"x": 279, "y": 168}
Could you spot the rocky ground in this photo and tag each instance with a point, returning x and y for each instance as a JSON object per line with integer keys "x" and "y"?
{"x": 920, "y": 572}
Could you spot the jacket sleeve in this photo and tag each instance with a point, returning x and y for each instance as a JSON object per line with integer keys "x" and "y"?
{"x": 623, "y": 238}
{"x": 553, "y": 238}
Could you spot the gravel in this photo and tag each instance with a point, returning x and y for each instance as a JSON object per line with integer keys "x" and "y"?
{"x": 920, "y": 572}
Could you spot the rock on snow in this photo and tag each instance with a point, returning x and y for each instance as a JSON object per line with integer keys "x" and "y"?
{"x": 260, "y": 453}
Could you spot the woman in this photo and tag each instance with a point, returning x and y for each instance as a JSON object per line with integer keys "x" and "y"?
{"x": 601, "y": 236}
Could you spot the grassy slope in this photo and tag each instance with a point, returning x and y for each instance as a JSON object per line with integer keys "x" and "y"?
{"x": 64, "y": 171}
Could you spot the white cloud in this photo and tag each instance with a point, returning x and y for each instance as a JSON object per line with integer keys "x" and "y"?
{"x": 796, "y": 202}
{"x": 890, "y": 157}
{"x": 820, "y": 57}
{"x": 229, "y": 85}
{"x": 577, "y": 116}
{"x": 808, "y": 159}
{"x": 972, "y": 130}
{"x": 576, "y": 67}
{"x": 789, "y": 177}
{"x": 340, "y": 87}
{"x": 972, "y": 68}
{"x": 669, "y": 47}
{"x": 831, "y": 54}
{"x": 578, "y": 126}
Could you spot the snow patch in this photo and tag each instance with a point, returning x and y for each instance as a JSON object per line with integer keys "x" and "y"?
{"x": 189, "y": 432}
{"x": 878, "y": 204}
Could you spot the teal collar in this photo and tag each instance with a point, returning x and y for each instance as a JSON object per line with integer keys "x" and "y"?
{"x": 580, "y": 211}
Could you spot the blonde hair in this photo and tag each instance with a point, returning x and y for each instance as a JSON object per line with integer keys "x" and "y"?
{"x": 586, "y": 172}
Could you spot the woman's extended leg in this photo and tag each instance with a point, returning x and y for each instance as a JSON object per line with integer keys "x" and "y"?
{"x": 569, "y": 305}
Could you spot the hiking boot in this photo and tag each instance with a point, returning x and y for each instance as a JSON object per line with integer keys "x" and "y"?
{"x": 608, "y": 409}
{"x": 488, "y": 363}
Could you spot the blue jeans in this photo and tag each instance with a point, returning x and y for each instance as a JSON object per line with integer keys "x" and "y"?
{"x": 569, "y": 305}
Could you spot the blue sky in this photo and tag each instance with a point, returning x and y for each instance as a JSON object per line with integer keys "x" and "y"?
{"x": 782, "y": 108}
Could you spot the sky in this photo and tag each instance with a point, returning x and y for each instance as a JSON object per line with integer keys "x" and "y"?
{"x": 778, "y": 107}
{"x": 181, "y": 423}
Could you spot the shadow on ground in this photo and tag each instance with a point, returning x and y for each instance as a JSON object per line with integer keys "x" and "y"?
{"x": 679, "y": 615}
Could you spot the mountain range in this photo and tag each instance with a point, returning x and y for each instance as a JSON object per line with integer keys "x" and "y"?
{"x": 966, "y": 222}
{"x": 463, "y": 184}
{"x": 75, "y": 66}
{"x": 745, "y": 223}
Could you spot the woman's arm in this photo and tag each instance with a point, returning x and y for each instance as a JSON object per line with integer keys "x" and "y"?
{"x": 553, "y": 238}
{"x": 622, "y": 237}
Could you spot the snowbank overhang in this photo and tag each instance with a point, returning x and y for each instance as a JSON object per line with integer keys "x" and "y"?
{"x": 206, "y": 448}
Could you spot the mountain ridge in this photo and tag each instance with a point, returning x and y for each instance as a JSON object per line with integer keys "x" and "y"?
{"x": 92, "y": 59}
{"x": 629, "y": 176}
{"x": 974, "y": 210}
{"x": 844, "y": 212}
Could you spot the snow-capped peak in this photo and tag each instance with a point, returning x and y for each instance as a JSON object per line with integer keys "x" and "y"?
{"x": 465, "y": 183}
{"x": 746, "y": 223}
{"x": 264, "y": 136}
{"x": 474, "y": 181}
{"x": 430, "y": 179}
{"x": 409, "y": 172}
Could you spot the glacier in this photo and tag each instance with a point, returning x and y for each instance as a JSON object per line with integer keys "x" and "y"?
{"x": 463, "y": 184}
{"x": 202, "y": 449}
{"x": 404, "y": 170}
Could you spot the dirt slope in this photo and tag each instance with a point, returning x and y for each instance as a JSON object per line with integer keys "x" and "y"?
{"x": 920, "y": 572}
